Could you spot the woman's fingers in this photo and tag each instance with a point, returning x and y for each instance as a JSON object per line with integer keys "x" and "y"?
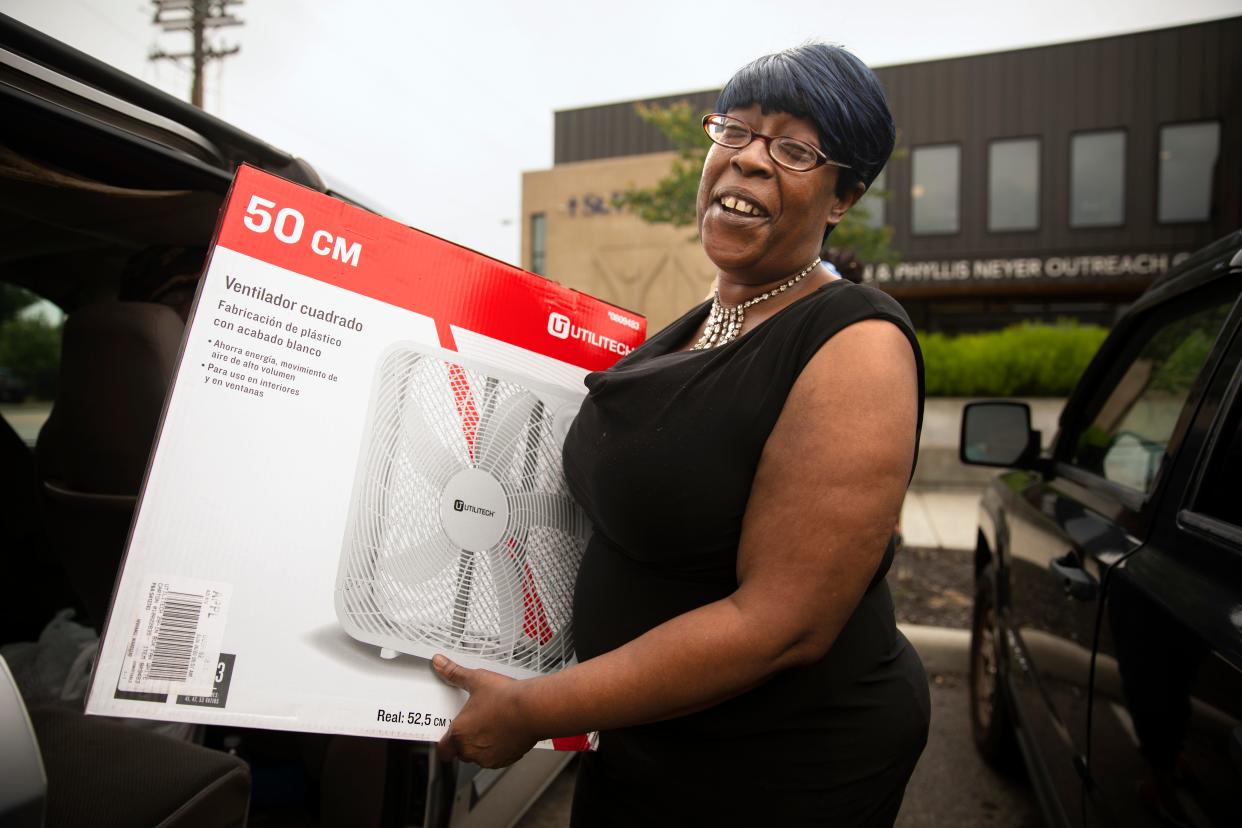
{"x": 486, "y": 730}
{"x": 446, "y": 748}
{"x": 454, "y": 673}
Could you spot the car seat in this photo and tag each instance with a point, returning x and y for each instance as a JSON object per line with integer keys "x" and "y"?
{"x": 117, "y": 362}
{"x": 36, "y": 586}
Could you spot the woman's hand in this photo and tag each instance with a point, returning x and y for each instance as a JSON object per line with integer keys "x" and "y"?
{"x": 488, "y": 731}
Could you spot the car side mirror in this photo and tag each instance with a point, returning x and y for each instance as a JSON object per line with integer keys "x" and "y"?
{"x": 998, "y": 434}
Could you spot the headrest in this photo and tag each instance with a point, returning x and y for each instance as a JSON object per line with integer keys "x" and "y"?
{"x": 117, "y": 363}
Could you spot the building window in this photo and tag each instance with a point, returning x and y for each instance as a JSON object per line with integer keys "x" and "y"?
{"x": 1188, "y": 155}
{"x": 1097, "y": 179}
{"x": 934, "y": 195}
{"x": 1013, "y": 184}
{"x": 870, "y": 208}
{"x": 538, "y": 242}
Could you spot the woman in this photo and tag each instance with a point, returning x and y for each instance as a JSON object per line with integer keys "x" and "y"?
{"x": 744, "y": 472}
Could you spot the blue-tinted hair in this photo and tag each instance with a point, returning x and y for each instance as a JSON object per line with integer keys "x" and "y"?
{"x": 833, "y": 90}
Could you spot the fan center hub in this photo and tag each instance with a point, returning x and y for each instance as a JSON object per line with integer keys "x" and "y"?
{"x": 474, "y": 510}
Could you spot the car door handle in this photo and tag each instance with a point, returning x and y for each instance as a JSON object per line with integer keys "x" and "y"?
{"x": 1073, "y": 578}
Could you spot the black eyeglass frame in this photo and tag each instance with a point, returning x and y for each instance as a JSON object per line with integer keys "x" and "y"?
{"x": 821, "y": 158}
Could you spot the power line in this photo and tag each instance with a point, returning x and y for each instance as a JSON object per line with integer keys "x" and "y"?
{"x": 196, "y": 17}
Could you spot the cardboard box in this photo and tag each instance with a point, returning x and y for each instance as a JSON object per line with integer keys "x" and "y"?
{"x": 358, "y": 466}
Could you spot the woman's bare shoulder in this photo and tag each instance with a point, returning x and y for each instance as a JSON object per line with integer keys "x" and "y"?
{"x": 869, "y": 356}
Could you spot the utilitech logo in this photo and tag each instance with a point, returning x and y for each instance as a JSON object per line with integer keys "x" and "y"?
{"x": 462, "y": 506}
{"x": 560, "y": 326}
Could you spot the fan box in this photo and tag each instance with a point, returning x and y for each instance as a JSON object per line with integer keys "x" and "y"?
{"x": 358, "y": 466}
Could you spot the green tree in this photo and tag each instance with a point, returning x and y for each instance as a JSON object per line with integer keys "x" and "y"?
{"x": 30, "y": 348}
{"x": 29, "y": 345}
{"x": 673, "y": 198}
{"x": 855, "y": 234}
{"x": 13, "y": 300}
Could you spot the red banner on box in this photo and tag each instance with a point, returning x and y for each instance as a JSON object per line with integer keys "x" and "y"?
{"x": 312, "y": 234}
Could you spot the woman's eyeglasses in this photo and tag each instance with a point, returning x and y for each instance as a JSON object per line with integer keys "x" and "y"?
{"x": 790, "y": 153}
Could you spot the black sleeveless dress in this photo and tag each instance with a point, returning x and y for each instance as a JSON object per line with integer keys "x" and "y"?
{"x": 662, "y": 456}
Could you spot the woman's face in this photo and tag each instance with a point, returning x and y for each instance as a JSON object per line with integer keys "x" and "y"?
{"x": 793, "y": 208}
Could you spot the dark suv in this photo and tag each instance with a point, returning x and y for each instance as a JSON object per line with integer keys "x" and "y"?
{"x": 1106, "y": 649}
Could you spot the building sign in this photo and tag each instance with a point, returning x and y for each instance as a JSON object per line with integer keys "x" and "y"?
{"x": 592, "y": 204}
{"x": 1020, "y": 269}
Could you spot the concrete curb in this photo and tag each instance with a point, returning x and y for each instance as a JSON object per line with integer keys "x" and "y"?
{"x": 942, "y": 649}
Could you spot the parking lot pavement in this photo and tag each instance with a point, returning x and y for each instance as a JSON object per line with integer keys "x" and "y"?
{"x": 951, "y": 785}
{"x": 26, "y": 418}
{"x": 941, "y": 517}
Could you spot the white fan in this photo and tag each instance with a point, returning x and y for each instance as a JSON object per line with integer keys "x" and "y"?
{"x": 462, "y": 538}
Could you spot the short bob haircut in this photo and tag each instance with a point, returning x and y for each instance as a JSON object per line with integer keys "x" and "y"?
{"x": 833, "y": 90}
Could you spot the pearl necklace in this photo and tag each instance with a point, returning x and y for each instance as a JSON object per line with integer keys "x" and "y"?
{"x": 724, "y": 324}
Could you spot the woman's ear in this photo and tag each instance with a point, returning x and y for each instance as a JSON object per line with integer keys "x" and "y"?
{"x": 845, "y": 202}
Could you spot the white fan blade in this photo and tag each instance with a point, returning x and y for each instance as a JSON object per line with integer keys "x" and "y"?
{"x": 550, "y": 509}
{"x": 500, "y": 433}
{"x": 518, "y": 612}
{"x": 419, "y": 562}
{"x": 431, "y": 456}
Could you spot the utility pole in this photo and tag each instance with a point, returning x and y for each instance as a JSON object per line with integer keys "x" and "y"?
{"x": 195, "y": 17}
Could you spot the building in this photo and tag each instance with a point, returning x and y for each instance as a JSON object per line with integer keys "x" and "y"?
{"x": 1039, "y": 183}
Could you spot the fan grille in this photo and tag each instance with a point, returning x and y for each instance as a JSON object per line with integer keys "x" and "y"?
{"x": 403, "y": 575}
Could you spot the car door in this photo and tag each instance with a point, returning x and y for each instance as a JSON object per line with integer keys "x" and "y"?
{"x": 1166, "y": 731}
{"x": 1066, "y": 529}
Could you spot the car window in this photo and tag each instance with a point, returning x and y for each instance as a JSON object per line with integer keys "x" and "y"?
{"x": 1138, "y": 410}
{"x": 1218, "y": 493}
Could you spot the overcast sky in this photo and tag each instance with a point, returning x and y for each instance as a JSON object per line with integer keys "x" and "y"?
{"x": 432, "y": 110}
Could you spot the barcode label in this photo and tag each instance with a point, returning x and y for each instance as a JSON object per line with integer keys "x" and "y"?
{"x": 175, "y": 630}
{"x": 175, "y": 639}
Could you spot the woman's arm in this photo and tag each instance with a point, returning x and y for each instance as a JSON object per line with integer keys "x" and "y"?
{"x": 826, "y": 495}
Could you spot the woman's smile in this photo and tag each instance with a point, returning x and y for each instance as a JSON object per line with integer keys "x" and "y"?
{"x": 738, "y": 207}
{"x": 742, "y": 202}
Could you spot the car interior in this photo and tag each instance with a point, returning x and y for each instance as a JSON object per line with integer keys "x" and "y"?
{"x": 109, "y": 195}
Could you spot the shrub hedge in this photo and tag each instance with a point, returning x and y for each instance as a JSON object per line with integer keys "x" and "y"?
{"x": 1028, "y": 360}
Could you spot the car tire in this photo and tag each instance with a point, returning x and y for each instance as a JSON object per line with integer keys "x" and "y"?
{"x": 990, "y": 719}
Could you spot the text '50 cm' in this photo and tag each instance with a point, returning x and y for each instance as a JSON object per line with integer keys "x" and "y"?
{"x": 287, "y": 225}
